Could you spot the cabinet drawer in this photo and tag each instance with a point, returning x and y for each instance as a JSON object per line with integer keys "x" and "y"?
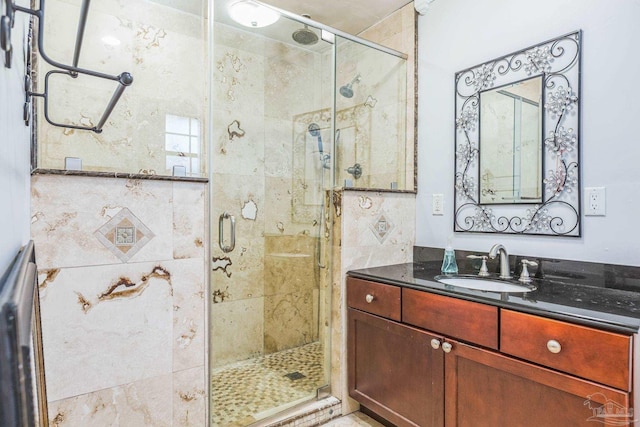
{"x": 465, "y": 320}
{"x": 375, "y": 298}
{"x": 575, "y": 349}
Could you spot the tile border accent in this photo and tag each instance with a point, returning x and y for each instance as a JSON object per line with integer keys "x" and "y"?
{"x": 122, "y": 175}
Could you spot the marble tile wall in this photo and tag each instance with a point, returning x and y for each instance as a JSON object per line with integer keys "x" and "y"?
{"x": 124, "y": 337}
{"x": 165, "y": 50}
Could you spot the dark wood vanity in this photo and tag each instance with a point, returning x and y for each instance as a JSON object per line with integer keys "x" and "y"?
{"x": 418, "y": 358}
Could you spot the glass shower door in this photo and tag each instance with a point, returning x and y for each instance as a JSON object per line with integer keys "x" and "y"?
{"x": 270, "y": 171}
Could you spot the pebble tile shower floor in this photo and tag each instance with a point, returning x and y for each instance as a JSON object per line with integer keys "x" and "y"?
{"x": 242, "y": 390}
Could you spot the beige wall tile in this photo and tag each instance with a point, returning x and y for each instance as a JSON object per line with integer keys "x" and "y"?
{"x": 237, "y": 330}
{"x": 189, "y": 397}
{"x": 290, "y": 264}
{"x": 190, "y": 222}
{"x": 66, "y": 212}
{"x": 289, "y": 320}
{"x": 106, "y": 325}
{"x": 189, "y": 296}
{"x": 146, "y": 402}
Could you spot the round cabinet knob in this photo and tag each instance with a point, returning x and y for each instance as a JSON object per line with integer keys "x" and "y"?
{"x": 446, "y": 347}
{"x": 369, "y": 298}
{"x": 435, "y": 343}
{"x": 554, "y": 346}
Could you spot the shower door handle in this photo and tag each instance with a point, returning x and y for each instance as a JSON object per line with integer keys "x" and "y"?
{"x": 232, "y": 242}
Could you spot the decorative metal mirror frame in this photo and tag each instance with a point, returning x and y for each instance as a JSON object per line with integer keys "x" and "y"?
{"x": 558, "y": 62}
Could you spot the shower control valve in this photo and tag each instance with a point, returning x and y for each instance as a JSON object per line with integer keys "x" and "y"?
{"x": 355, "y": 170}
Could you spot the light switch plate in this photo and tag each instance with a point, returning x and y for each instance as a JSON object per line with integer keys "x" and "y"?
{"x": 437, "y": 207}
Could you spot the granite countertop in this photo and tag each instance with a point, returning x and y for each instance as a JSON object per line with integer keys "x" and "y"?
{"x": 606, "y": 308}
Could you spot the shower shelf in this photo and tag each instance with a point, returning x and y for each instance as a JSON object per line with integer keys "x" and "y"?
{"x": 6, "y": 23}
{"x": 288, "y": 255}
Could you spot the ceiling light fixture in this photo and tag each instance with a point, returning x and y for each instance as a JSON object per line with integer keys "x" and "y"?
{"x": 252, "y": 14}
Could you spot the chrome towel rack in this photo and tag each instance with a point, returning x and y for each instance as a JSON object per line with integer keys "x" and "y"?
{"x": 7, "y": 21}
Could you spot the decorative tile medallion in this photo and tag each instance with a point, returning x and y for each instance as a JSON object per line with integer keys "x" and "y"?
{"x": 382, "y": 227}
{"x": 124, "y": 235}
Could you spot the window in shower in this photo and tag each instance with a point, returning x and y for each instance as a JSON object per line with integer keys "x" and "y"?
{"x": 182, "y": 144}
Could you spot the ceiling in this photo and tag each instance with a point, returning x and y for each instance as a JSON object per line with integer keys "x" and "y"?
{"x": 350, "y": 16}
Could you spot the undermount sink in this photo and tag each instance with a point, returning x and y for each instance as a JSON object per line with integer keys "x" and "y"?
{"x": 484, "y": 284}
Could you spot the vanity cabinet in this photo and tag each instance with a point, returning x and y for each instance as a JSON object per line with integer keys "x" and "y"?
{"x": 488, "y": 389}
{"x": 443, "y": 361}
{"x": 393, "y": 369}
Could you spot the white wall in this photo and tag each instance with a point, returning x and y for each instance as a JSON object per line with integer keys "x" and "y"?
{"x": 457, "y": 34}
{"x": 14, "y": 153}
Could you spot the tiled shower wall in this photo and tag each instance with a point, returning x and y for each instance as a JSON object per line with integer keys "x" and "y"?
{"x": 122, "y": 288}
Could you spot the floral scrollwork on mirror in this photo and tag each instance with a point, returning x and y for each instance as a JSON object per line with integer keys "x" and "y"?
{"x": 517, "y": 142}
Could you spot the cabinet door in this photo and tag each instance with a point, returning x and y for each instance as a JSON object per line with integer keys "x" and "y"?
{"x": 486, "y": 389}
{"x": 394, "y": 371}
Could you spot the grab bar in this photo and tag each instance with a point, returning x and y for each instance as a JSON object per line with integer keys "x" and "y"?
{"x": 232, "y": 242}
{"x": 105, "y": 115}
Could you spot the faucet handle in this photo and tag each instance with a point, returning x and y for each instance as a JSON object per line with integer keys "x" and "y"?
{"x": 484, "y": 271}
{"x": 524, "y": 275}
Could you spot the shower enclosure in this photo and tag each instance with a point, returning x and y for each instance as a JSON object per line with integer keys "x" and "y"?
{"x": 270, "y": 120}
{"x": 270, "y": 164}
{"x": 293, "y": 112}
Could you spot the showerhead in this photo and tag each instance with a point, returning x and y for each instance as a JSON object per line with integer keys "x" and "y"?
{"x": 347, "y": 90}
{"x": 305, "y": 36}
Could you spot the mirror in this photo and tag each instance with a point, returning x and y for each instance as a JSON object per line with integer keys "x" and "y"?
{"x": 517, "y": 142}
{"x": 511, "y": 138}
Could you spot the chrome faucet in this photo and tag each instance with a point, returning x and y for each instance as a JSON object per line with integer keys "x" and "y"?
{"x": 505, "y": 271}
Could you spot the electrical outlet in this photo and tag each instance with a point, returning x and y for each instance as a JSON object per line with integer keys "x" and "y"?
{"x": 595, "y": 201}
{"x": 437, "y": 206}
